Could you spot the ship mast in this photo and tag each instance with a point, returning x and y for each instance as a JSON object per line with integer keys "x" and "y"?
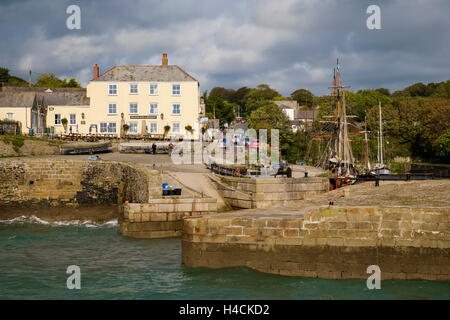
{"x": 366, "y": 140}
{"x": 338, "y": 155}
{"x": 381, "y": 134}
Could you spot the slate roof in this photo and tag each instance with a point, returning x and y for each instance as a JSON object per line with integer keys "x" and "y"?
{"x": 26, "y": 99}
{"x": 287, "y": 104}
{"x": 306, "y": 114}
{"x": 40, "y": 89}
{"x": 145, "y": 73}
{"x": 17, "y": 99}
{"x": 65, "y": 98}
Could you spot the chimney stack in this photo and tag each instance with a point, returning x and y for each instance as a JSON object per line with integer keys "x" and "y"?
{"x": 95, "y": 71}
{"x": 165, "y": 61}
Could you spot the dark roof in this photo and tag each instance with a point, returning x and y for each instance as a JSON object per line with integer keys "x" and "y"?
{"x": 65, "y": 98}
{"x": 287, "y": 104}
{"x": 145, "y": 73}
{"x": 39, "y": 89}
{"x": 17, "y": 99}
{"x": 26, "y": 99}
{"x": 306, "y": 114}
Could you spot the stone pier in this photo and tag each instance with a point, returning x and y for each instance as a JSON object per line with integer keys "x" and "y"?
{"x": 162, "y": 217}
{"x": 325, "y": 242}
{"x": 247, "y": 193}
{"x": 71, "y": 183}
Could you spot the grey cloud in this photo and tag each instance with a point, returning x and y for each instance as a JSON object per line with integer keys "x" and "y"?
{"x": 288, "y": 44}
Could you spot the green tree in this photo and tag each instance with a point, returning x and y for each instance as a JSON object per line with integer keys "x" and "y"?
{"x": 239, "y": 96}
{"x": 384, "y": 91}
{"x": 303, "y": 97}
{"x": 358, "y": 103}
{"x": 225, "y": 94}
{"x": 72, "y": 83}
{"x": 442, "y": 147}
{"x": 218, "y": 108}
{"x": 442, "y": 90}
{"x": 253, "y": 105}
{"x": 268, "y": 117}
{"x": 16, "y": 82}
{"x": 4, "y": 75}
{"x": 49, "y": 80}
{"x": 9, "y": 80}
{"x": 256, "y": 96}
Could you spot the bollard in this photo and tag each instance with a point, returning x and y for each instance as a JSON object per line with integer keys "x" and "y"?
{"x": 377, "y": 182}
{"x": 306, "y": 174}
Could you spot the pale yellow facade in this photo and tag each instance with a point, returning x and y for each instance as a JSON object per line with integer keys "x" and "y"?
{"x": 78, "y": 119}
{"x": 146, "y": 98}
{"x": 144, "y": 111}
{"x": 21, "y": 114}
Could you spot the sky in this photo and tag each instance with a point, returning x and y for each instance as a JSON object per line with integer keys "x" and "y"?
{"x": 288, "y": 44}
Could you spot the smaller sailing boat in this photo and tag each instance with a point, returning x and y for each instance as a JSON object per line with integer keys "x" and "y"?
{"x": 380, "y": 168}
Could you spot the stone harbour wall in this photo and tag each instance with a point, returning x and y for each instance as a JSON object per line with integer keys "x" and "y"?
{"x": 163, "y": 217}
{"x": 329, "y": 242}
{"x": 247, "y": 193}
{"x": 52, "y": 182}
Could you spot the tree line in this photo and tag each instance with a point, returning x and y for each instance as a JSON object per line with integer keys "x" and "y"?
{"x": 45, "y": 80}
{"x": 415, "y": 120}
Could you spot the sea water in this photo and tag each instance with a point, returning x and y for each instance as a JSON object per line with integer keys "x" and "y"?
{"x": 34, "y": 256}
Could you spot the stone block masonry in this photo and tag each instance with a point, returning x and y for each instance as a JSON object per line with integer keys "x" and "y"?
{"x": 163, "y": 217}
{"x": 247, "y": 193}
{"x": 327, "y": 242}
{"x": 51, "y": 182}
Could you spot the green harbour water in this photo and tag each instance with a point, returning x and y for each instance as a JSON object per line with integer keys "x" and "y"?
{"x": 34, "y": 258}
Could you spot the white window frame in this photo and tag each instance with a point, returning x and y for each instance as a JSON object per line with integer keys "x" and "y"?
{"x": 156, "y": 127}
{"x": 137, "y": 108}
{"x": 70, "y": 119}
{"x": 150, "y": 108}
{"x": 155, "y": 93}
{"x": 10, "y": 116}
{"x": 179, "y": 128}
{"x": 133, "y": 124}
{"x": 173, "y": 105}
{"x": 109, "y": 104}
{"x": 137, "y": 88}
{"x": 116, "y": 89}
{"x": 179, "y": 89}
{"x": 56, "y": 122}
{"x": 108, "y": 126}
{"x": 100, "y": 127}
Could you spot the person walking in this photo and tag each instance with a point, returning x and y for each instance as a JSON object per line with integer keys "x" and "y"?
{"x": 154, "y": 148}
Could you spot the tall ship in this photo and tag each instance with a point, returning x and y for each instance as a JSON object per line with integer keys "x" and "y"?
{"x": 338, "y": 156}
